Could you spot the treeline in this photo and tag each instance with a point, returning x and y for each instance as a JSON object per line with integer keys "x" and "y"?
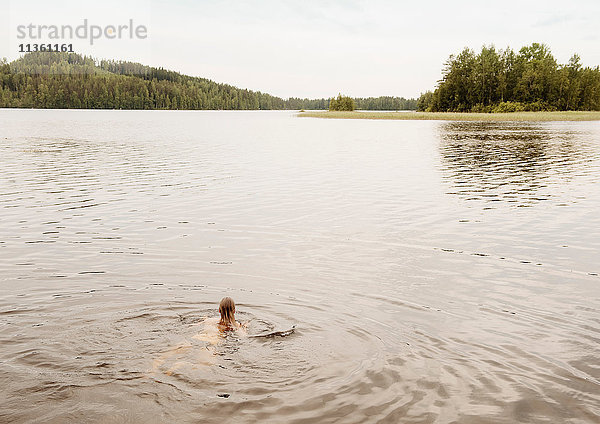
{"x": 505, "y": 81}
{"x": 71, "y": 81}
{"x": 385, "y": 103}
{"x": 68, "y": 80}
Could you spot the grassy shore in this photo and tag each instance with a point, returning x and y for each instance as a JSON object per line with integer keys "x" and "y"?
{"x": 452, "y": 116}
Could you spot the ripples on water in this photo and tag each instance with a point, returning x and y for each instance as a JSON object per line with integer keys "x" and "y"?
{"x": 435, "y": 272}
{"x": 521, "y": 164}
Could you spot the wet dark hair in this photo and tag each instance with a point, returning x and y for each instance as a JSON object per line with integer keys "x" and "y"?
{"x": 227, "y": 310}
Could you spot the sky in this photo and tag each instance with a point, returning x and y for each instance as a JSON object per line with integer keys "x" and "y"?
{"x": 313, "y": 48}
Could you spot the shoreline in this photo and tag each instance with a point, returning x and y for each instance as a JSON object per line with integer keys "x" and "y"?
{"x": 459, "y": 116}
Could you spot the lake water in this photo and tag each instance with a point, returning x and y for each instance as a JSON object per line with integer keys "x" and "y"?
{"x": 435, "y": 271}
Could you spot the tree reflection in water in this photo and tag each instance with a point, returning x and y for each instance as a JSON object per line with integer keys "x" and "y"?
{"x": 511, "y": 163}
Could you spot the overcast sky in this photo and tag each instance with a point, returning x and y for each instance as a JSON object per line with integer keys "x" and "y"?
{"x": 315, "y": 48}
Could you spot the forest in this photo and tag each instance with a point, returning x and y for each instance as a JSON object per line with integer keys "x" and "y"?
{"x": 505, "y": 81}
{"x": 58, "y": 80}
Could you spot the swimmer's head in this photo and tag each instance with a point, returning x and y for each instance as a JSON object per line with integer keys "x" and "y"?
{"x": 227, "y": 310}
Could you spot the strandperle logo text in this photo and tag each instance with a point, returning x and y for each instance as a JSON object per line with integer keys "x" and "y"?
{"x": 84, "y": 31}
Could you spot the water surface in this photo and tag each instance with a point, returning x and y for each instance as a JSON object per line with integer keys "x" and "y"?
{"x": 435, "y": 271}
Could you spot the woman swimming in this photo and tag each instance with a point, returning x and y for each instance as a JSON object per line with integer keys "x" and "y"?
{"x": 191, "y": 356}
{"x": 214, "y": 332}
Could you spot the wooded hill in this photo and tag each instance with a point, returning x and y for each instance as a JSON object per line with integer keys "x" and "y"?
{"x": 71, "y": 81}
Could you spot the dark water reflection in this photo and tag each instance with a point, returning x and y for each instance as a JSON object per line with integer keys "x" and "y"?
{"x": 519, "y": 164}
{"x": 420, "y": 289}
